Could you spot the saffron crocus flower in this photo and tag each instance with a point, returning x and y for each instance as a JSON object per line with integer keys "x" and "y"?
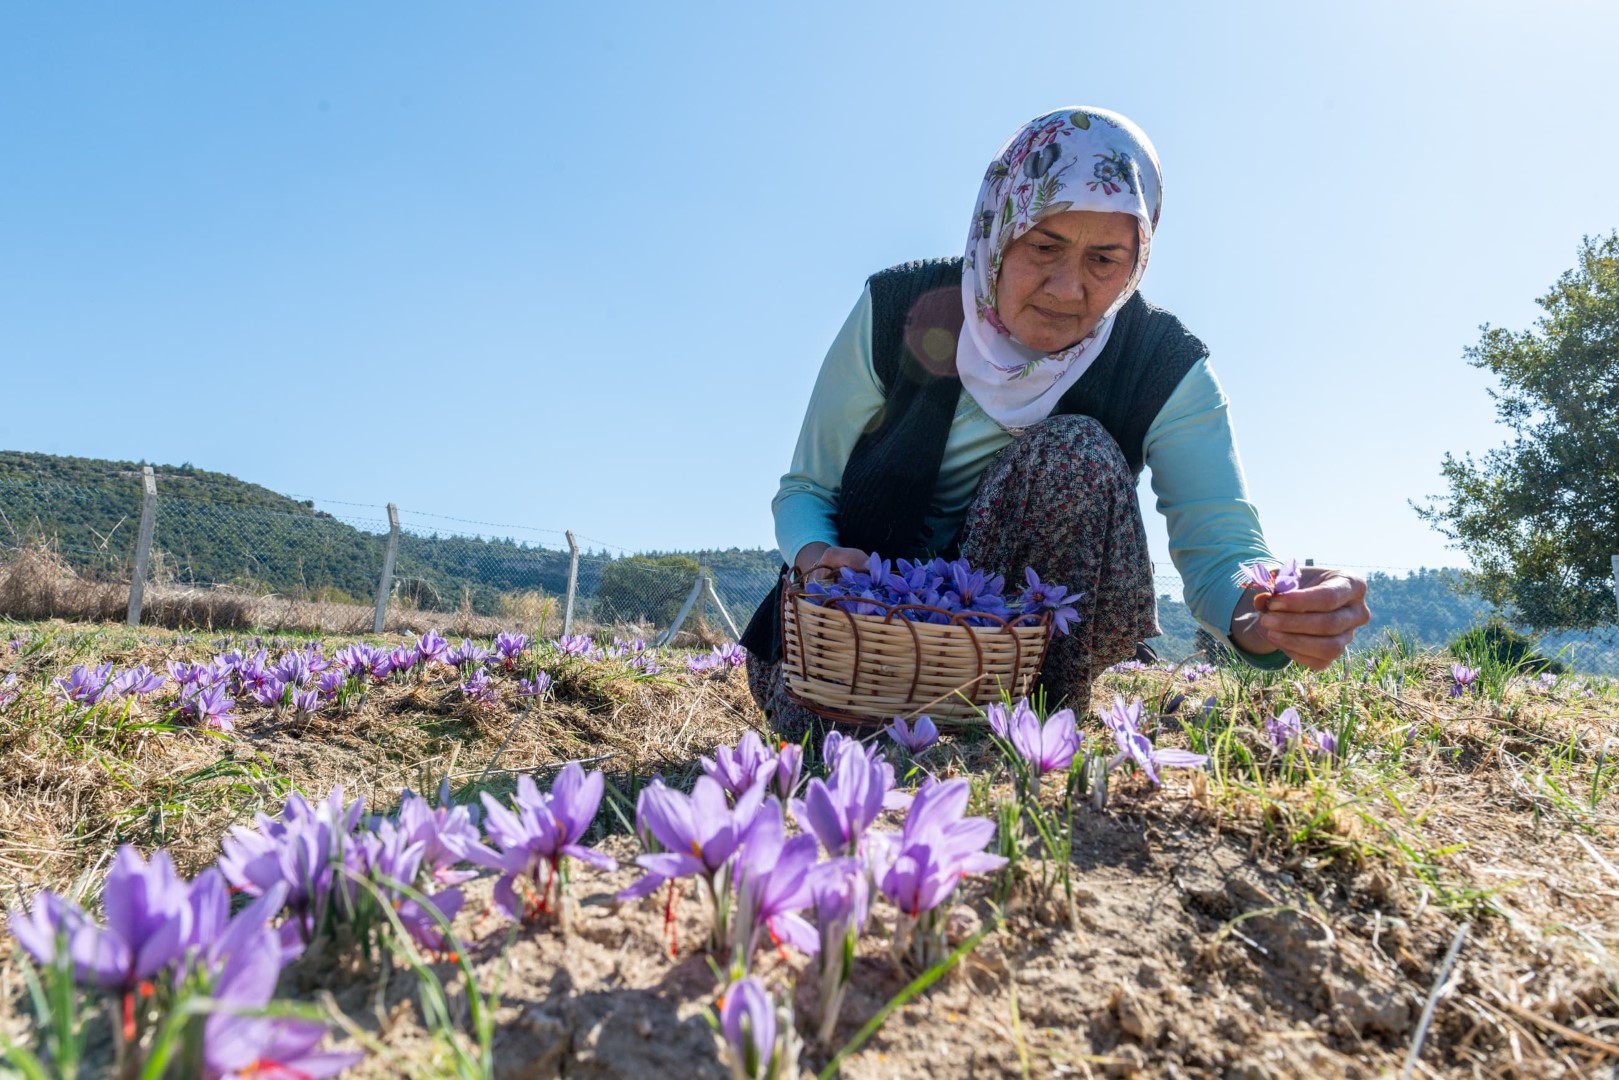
{"x": 331, "y": 682}
{"x": 1043, "y": 596}
{"x": 789, "y": 770}
{"x": 773, "y": 884}
{"x": 1325, "y": 742}
{"x": 239, "y": 1041}
{"x": 302, "y": 847}
{"x": 510, "y": 647}
{"x": 1124, "y": 722}
{"x": 1284, "y": 729}
{"x": 1464, "y": 677}
{"x": 305, "y": 703}
{"x": 535, "y": 687}
{"x": 8, "y": 690}
{"x": 698, "y": 665}
{"x": 446, "y": 832}
{"x": 748, "y": 1024}
{"x": 839, "y": 809}
{"x": 466, "y": 653}
{"x": 842, "y": 901}
{"x": 479, "y": 690}
{"x": 739, "y": 769}
{"x": 914, "y": 740}
{"x": 431, "y": 649}
{"x": 148, "y": 924}
{"x": 1044, "y": 748}
{"x": 137, "y": 681}
{"x": 574, "y": 645}
{"x": 699, "y": 834}
{"x": 84, "y": 686}
{"x": 1257, "y": 575}
{"x": 537, "y": 834}
{"x": 210, "y": 705}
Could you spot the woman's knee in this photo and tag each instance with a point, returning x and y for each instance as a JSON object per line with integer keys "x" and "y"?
{"x": 1074, "y": 434}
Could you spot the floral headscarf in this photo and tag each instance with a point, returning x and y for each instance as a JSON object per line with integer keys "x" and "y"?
{"x": 1072, "y": 159}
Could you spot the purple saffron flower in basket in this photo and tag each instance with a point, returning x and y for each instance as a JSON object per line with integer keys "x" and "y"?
{"x": 1257, "y": 575}
{"x": 537, "y": 833}
{"x": 748, "y": 1024}
{"x": 1042, "y": 596}
{"x": 914, "y": 740}
{"x": 739, "y": 769}
{"x": 510, "y": 647}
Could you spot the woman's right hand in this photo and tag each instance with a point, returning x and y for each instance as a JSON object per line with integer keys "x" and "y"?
{"x": 814, "y": 558}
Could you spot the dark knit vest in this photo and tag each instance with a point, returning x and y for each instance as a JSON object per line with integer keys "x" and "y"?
{"x": 888, "y": 482}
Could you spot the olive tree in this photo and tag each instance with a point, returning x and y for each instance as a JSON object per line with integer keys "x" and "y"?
{"x": 1539, "y": 517}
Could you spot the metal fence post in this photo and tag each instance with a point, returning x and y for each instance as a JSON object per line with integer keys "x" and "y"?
{"x": 143, "y": 544}
{"x": 685, "y": 610}
{"x": 725, "y": 616}
{"x": 385, "y": 584}
{"x": 573, "y": 583}
{"x": 1616, "y": 581}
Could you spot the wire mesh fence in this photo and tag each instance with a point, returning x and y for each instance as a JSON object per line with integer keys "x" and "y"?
{"x": 209, "y": 537}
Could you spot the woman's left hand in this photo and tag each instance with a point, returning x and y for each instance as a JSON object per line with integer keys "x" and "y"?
{"x": 1314, "y": 623}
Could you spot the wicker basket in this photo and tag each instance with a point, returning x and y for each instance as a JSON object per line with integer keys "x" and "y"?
{"x": 870, "y": 668}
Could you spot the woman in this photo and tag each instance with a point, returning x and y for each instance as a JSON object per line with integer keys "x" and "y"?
{"x": 1002, "y": 406}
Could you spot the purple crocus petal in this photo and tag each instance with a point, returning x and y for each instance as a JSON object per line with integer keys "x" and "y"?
{"x": 505, "y": 898}
{"x": 146, "y": 907}
{"x": 794, "y": 930}
{"x": 1180, "y": 759}
{"x": 38, "y": 929}
{"x": 748, "y": 1022}
{"x": 594, "y": 858}
{"x": 1287, "y": 578}
{"x": 821, "y": 816}
{"x": 574, "y": 798}
{"x": 669, "y": 815}
{"x": 642, "y": 886}
{"x": 937, "y": 806}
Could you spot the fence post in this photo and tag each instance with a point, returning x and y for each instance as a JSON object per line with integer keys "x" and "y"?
{"x": 573, "y": 583}
{"x": 685, "y": 610}
{"x": 143, "y": 544}
{"x": 1616, "y": 581}
{"x": 385, "y": 583}
{"x": 725, "y": 616}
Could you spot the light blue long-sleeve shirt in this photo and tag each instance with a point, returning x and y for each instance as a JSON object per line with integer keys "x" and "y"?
{"x": 1190, "y": 449}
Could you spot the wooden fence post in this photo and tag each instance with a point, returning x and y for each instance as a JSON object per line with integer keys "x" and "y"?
{"x": 385, "y": 583}
{"x": 143, "y": 544}
{"x": 573, "y": 583}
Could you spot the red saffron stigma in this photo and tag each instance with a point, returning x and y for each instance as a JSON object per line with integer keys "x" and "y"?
{"x": 129, "y": 1016}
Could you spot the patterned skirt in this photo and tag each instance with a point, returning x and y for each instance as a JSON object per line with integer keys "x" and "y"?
{"x": 1061, "y": 499}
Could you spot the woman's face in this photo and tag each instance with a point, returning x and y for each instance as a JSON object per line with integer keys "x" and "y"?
{"x": 1058, "y": 278}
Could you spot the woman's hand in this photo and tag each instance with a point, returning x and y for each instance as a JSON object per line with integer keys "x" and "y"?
{"x": 1314, "y": 623}
{"x": 815, "y": 558}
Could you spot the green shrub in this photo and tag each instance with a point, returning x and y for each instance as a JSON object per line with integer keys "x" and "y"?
{"x": 1496, "y": 644}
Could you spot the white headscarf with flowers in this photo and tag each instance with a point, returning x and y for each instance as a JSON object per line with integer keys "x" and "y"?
{"x": 1073, "y": 159}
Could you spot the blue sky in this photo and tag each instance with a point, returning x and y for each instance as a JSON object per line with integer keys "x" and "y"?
{"x": 577, "y": 268}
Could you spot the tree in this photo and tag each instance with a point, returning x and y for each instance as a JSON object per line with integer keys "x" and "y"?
{"x": 1539, "y": 517}
{"x": 641, "y": 588}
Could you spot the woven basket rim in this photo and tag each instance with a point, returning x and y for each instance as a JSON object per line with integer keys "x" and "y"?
{"x": 1021, "y": 667}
